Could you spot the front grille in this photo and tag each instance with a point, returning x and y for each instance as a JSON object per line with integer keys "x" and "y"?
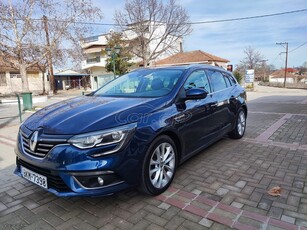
{"x": 42, "y": 147}
{"x": 53, "y": 179}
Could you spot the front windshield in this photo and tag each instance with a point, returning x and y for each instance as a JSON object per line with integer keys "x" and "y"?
{"x": 142, "y": 83}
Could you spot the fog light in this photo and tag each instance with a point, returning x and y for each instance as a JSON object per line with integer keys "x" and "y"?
{"x": 100, "y": 181}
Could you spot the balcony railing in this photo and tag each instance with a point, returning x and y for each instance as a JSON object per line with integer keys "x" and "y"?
{"x": 91, "y": 39}
{"x": 93, "y": 60}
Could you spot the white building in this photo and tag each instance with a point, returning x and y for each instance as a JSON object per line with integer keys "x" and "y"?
{"x": 95, "y": 58}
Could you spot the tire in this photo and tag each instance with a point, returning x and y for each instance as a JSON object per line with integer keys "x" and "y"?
{"x": 240, "y": 125}
{"x": 157, "y": 175}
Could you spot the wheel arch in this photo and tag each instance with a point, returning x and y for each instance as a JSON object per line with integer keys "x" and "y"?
{"x": 245, "y": 108}
{"x": 176, "y": 140}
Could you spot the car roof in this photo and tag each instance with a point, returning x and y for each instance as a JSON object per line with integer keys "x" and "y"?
{"x": 186, "y": 67}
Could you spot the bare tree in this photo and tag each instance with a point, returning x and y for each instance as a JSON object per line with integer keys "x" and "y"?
{"x": 155, "y": 27}
{"x": 22, "y": 33}
{"x": 252, "y": 58}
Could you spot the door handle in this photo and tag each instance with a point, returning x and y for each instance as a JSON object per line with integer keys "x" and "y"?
{"x": 214, "y": 104}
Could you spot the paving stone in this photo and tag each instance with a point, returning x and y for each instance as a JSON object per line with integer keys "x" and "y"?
{"x": 121, "y": 223}
{"x": 288, "y": 219}
{"x": 110, "y": 227}
{"x": 222, "y": 191}
{"x": 250, "y": 222}
{"x": 153, "y": 209}
{"x": 205, "y": 222}
{"x": 275, "y": 212}
{"x": 217, "y": 226}
{"x": 197, "y": 192}
{"x": 135, "y": 218}
{"x": 2, "y": 207}
{"x": 39, "y": 225}
{"x": 265, "y": 204}
{"x": 164, "y": 206}
{"x": 303, "y": 209}
{"x": 84, "y": 225}
{"x": 256, "y": 196}
{"x": 298, "y": 184}
{"x": 154, "y": 227}
{"x": 156, "y": 219}
{"x": 240, "y": 184}
{"x": 174, "y": 223}
{"x": 302, "y": 223}
{"x": 191, "y": 225}
{"x": 293, "y": 200}
{"x": 237, "y": 204}
{"x": 189, "y": 216}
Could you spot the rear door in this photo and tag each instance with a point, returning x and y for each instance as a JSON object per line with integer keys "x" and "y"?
{"x": 222, "y": 90}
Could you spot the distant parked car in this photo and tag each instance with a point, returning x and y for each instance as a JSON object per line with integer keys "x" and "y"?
{"x": 132, "y": 132}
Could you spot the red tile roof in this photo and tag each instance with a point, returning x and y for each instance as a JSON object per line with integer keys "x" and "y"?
{"x": 291, "y": 73}
{"x": 191, "y": 57}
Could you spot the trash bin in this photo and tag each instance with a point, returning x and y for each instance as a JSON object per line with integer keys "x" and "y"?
{"x": 27, "y": 101}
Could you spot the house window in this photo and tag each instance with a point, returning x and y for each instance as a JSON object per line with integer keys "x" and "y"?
{"x": 15, "y": 74}
{"x": 2, "y": 79}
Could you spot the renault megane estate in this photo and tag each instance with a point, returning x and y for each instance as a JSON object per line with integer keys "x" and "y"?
{"x": 132, "y": 132}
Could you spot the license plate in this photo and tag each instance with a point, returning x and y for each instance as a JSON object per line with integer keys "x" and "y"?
{"x": 34, "y": 177}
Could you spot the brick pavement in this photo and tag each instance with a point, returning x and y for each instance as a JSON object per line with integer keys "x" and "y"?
{"x": 221, "y": 188}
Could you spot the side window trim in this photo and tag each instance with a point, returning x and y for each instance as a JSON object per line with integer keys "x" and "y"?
{"x": 210, "y": 79}
{"x": 205, "y": 76}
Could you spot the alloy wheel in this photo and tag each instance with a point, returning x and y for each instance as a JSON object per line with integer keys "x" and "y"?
{"x": 162, "y": 165}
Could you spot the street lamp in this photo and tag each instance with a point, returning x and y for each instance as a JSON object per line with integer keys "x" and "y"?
{"x": 113, "y": 52}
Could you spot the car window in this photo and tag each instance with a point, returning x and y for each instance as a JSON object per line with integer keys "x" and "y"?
{"x": 197, "y": 79}
{"x": 142, "y": 83}
{"x": 232, "y": 79}
{"x": 227, "y": 80}
{"x": 216, "y": 79}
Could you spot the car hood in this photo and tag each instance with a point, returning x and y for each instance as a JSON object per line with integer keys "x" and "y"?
{"x": 90, "y": 113}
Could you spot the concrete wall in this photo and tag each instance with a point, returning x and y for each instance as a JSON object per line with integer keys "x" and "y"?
{"x": 13, "y": 85}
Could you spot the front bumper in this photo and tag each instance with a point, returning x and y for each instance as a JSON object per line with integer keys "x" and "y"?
{"x": 74, "y": 172}
{"x": 66, "y": 184}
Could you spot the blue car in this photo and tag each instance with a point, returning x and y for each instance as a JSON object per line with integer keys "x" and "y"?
{"x": 132, "y": 132}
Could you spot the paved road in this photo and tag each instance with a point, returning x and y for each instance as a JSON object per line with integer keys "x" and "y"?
{"x": 223, "y": 187}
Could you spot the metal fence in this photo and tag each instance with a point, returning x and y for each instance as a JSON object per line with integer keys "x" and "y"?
{"x": 19, "y": 108}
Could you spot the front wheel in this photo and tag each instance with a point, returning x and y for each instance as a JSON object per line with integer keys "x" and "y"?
{"x": 240, "y": 125}
{"x": 159, "y": 166}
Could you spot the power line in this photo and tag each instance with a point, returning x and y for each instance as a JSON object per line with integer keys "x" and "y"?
{"x": 298, "y": 47}
{"x": 191, "y": 23}
{"x": 251, "y": 17}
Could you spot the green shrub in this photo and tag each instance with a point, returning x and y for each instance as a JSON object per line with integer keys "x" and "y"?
{"x": 238, "y": 76}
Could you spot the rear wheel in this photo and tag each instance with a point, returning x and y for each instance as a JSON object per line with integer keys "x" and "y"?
{"x": 159, "y": 166}
{"x": 240, "y": 125}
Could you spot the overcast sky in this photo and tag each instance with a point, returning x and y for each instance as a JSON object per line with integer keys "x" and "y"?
{"x": 229, "y": 39}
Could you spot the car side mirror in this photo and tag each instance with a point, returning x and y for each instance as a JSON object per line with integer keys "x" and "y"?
{"x": 195, "y": 94}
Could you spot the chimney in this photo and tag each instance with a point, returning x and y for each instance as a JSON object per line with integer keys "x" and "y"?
{"x": 180, "y": 47}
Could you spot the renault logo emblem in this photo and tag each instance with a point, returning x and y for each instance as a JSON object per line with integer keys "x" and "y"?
{"x": 33, "y": 141}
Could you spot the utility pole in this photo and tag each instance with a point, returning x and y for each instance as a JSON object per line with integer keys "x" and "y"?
{"x": 263, "y": 67}
{"x": 49, "y": 56}
{"x": 286, "y": 62}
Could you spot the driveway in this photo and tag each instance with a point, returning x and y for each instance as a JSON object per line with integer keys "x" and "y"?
{"x": 223, "y": 187}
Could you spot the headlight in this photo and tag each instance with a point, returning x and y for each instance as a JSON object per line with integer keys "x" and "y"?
{"x": 104, "y": 137}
